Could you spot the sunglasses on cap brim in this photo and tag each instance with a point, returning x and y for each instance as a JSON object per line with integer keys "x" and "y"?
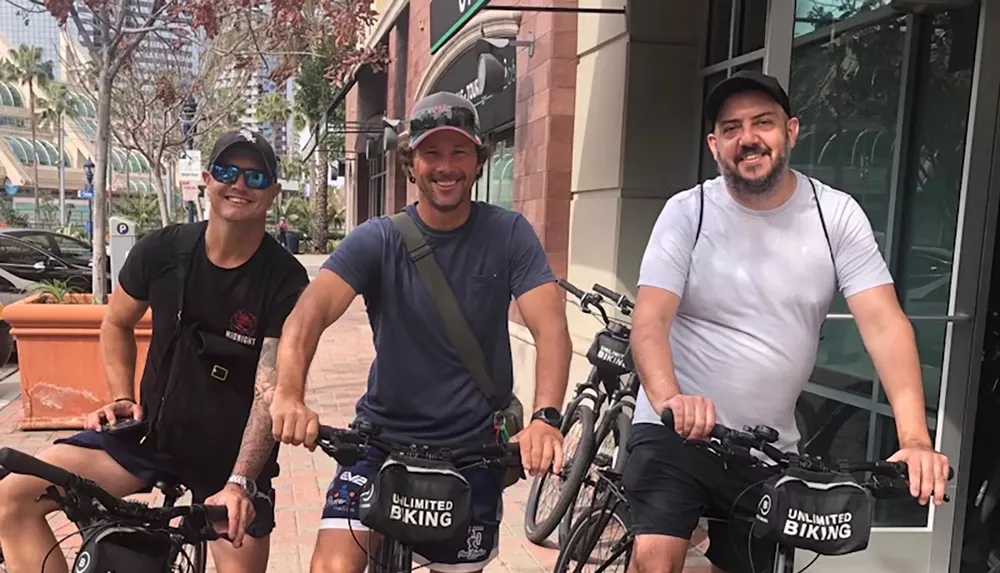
{"x": 252, "y": 178}
{"x": 461, "y": 119}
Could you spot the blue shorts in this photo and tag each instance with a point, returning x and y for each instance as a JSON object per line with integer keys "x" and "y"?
{"x": 463, "y": 555}
{"x": 151, "y": 467}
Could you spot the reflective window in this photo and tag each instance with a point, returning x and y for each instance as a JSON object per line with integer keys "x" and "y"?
{"x": 811, "y": 15}
{"x": 847, "y": 95}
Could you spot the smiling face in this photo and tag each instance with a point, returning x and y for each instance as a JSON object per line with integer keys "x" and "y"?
{"x": 444, "y": 167}
{"x": 236, "y": 201}
{"x": 751, "y": 143}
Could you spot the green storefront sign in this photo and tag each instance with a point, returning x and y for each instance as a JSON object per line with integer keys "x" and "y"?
{"x": 449, "y": 16}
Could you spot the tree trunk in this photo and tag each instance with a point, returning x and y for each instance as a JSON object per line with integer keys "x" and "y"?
{"x": 99, "y": 214}
{"x": 321, "y": 222}
{"x": 161, "y": 195}
{"x": 62, "y": 175}
{"x": 34, "y": 143}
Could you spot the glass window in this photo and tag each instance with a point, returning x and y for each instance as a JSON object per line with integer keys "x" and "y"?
{"x": 754, "y": 66}
{"x": 73, "y": 250}
{"x": 720, "y": 13}
{"x": 708, "y": 168}
{"x": 811, "y": 15}
{"x": 753, "y": 26}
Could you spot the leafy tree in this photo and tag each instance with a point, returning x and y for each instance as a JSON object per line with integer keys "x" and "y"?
{"x": 57, "y": 106}
{"x": 24, "y": 65}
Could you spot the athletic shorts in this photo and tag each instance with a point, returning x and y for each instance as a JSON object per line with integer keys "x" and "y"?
{"x": 151, "y": 467}
{"x": 464, "y": 554}
{"x": 671, "y": 485}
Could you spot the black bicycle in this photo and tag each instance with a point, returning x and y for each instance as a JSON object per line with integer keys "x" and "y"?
{"x": 136, "y": 536}
{"x": 611, "y": 358}
{"x": 418, "y": 495}
{"x": 807, "y": 503}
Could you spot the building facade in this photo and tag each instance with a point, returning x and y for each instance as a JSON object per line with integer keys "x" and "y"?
{"x": 602, "y": 123}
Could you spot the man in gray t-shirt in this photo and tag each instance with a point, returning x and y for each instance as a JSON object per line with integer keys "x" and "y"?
{"x": 736, "y": 280}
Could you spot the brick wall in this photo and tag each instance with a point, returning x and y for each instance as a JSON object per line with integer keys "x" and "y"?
{"x": 418, "y": 60}
{"x": 543, "y": 138}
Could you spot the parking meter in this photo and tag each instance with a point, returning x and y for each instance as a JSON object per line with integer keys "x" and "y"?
{"x": 121, "y": 242}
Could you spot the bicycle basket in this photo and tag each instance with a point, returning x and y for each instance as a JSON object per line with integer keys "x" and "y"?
{"x": 116, "y": 548}
{"x": 416, "y": 501}
{"x": 610, "y": 354}
{"x": 830, "y": 514}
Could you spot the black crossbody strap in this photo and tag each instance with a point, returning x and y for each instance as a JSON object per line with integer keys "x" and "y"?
{"x": 186, "y": 244}
{"x": 455, "y": 324}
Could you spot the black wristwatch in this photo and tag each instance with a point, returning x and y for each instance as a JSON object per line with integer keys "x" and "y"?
{"x": 550, "y": 416}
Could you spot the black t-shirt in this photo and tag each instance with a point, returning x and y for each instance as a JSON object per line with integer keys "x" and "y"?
{"x": 240, "y": 306}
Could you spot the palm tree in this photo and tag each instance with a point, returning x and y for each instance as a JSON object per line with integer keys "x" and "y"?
{"x": 274, "y": 108}
{"x": 60, "y": 104}
{"x": 25, "y": 66}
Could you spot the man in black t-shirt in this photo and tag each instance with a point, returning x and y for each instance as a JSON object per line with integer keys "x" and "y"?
{"x": 208, "y": 377}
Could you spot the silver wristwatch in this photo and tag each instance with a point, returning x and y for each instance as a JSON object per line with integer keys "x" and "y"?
{"x": 248, "y": 485}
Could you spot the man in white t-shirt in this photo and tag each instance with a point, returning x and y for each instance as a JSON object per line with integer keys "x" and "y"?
{"x": 738, "y": 276}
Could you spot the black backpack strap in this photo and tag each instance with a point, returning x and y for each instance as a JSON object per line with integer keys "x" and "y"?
{"x": 822, "y": 221}
{"x": 188, "y": 238}
{"x": 701, "y": 212}
{"x": 455, "y": 324}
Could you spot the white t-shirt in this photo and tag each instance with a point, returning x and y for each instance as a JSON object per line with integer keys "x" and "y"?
{"x": 754, "y": 292}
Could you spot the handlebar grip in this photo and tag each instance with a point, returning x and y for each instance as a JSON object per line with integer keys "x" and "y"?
{"x": 19, "y": 462}
{"x": 326, "y": 432}
{"x": 572, "y": 289}
{"x": 216, "y": 513}
{"x": 718, "y": 432}
{"x": 618, "y": 299}
{"x": 903, "y": 470}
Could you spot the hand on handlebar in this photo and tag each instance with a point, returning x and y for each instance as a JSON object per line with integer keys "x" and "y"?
{"x": 112, "y": 413}
{"x": 541, "y": 447}
{"x": 929, "y": 472}
{"x": 239, "y": 510}
{"x": 292, "y": 422}
{"x": 694, "y": 416}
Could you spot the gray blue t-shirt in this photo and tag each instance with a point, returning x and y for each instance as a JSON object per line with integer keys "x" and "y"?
{"x": 419, "y": 390}
{"x": 754, "y": 292}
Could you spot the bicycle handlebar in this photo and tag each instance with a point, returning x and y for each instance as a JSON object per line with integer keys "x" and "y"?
{"x": 895, "y": 475}
{"x": 79, "y": 489}
{"x": 596, "y": 299}
{"x": 505, "y": 454}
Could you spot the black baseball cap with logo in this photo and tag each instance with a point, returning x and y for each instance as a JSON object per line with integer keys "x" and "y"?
{"x": 745, "y": 81}
{"x": 249, "y": 138}
{"x": 443, "y": 111}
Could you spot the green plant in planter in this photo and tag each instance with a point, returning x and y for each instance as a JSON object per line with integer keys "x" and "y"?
{"x": 56, "y": 292}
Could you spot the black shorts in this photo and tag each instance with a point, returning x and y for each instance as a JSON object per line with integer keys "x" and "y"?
{"x": 671, "y": 485}
{"x": 151, "y": 467}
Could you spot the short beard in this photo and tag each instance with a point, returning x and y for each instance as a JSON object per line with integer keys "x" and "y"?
{"x": 427, "y": 190}
{"x": 760, "y": 187}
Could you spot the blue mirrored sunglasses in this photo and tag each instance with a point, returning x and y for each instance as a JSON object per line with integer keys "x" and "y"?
{"x": 228, "y": 174}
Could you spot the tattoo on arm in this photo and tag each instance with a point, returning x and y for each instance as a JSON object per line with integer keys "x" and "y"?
{"x": 257, "y": 439}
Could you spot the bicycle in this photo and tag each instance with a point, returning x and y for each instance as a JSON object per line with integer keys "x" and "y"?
{"x": 105, "y": 520}
{"x": 610, "y": 357}
{"x": 776, "y": 508}
{"x": 417, "y": 496}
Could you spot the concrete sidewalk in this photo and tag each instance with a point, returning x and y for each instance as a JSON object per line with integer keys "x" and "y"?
{"x": 336, "y": 380}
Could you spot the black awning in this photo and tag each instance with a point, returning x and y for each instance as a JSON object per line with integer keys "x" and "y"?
{"x": 320, "y": 130}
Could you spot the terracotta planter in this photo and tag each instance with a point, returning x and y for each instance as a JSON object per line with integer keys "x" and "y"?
{"x": 58, "y": 347}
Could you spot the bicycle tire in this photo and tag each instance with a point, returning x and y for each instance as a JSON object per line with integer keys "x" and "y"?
{"x": 379, "y": 560}
{"x": 195, "y": 556}
{"x": 585, "y": 526}
{"x": 537, "y": 531}
{"x": 619, "y": 424}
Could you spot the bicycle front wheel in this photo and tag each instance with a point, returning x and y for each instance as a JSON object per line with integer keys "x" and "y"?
{"x": 551, "y": 495}
{"x": 191, "y": 558}
{"x": 600, "y": 542}
{"x": 612, "y": 436}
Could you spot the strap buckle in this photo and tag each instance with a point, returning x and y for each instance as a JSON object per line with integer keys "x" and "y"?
{"x": 420, "y": 252}
{"x": 220, "y": 372}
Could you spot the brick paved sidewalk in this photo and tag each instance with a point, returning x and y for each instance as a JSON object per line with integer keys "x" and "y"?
{"x": 336, "y": 380}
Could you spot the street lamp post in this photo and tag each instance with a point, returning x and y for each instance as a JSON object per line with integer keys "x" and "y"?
{"x": 188, "y": 112}
{"x": 88, "y": 172}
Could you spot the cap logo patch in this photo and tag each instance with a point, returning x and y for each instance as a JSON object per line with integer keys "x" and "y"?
{"x": 248, "y": 135}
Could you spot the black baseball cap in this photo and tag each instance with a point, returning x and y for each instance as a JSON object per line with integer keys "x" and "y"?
{"x": 742, "y": 81}
{"x": 249, "y": 138}
{"x": 443, "y": 111}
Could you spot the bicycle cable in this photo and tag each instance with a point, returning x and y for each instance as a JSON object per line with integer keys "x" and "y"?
{"x": 81, "y": 532}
